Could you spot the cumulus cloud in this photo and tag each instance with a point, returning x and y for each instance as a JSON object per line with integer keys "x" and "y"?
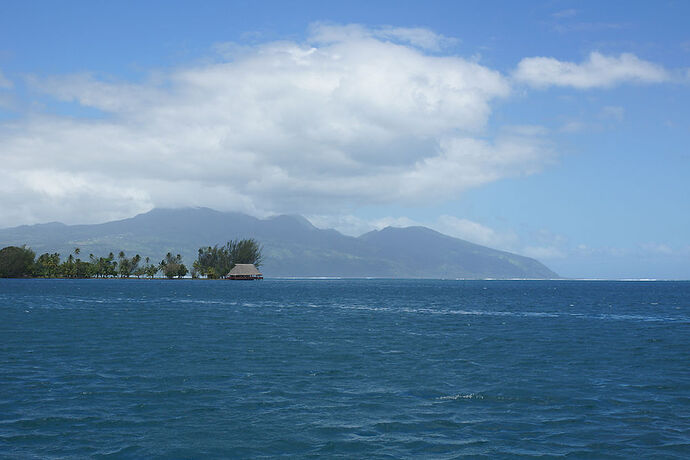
{"x": 351, "y": 117}
{"x": 348, "y": 118}
{"x": 597, "y": 71}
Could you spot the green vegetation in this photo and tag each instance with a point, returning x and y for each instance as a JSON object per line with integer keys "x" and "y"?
{"x": 16, "y": 262}
{"x": 173, "y": 266}
{"x": 213, "y": 262}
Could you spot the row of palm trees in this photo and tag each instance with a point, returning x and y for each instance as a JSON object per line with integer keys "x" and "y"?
{"x": 212, "y": 262}
{"x": 49, "y": 266}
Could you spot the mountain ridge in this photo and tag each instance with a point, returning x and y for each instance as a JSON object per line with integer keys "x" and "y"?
{"x": 293, "y": 246}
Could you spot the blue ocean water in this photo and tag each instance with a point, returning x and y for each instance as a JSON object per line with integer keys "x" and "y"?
{"x": 344, "y": 369}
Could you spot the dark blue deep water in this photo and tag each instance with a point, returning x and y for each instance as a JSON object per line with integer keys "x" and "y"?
{"x": 344, "y": 368}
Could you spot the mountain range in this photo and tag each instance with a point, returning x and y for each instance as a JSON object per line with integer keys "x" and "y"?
{"x": 292, "y": 245}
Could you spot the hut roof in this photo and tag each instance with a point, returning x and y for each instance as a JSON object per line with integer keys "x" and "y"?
{"x": 244, "y": 269}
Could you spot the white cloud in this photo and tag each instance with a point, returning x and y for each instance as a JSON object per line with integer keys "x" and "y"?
{"x": 27, "y": 196}
{"x": 5, "y": 83}
{"x": 465, "y": 162}
{"x": 280, "y": 127}
{"x": 416, "y": 36}
{"x": 475, "y": 232}
{"x": 596, "y": 72}
{"x": 112, "y": 97}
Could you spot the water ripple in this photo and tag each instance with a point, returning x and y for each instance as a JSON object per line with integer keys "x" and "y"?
{"x": 344, "y": 369}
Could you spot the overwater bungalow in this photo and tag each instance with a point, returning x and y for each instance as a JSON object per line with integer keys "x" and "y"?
{"x": 244, "y": 272}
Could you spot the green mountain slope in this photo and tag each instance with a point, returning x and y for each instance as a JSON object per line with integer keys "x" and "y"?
{"x": 292, "y": 246}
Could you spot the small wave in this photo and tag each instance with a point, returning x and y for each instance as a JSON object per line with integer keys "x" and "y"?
{"x": 309, "y": 278}
{"x": 523, "y": 314}
{"x": 460, "y": 396}
{"x": 203, "y": 302}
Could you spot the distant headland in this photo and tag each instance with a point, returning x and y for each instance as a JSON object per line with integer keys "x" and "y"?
{"x": 291, "y": 245}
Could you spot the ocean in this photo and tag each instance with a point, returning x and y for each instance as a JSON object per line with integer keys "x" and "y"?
{"x": 344, "y": 369}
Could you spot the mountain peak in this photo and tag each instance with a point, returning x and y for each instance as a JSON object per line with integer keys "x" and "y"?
{"x": 411, "y": 231}
{"x": 179, "y": 211}
{"x": 292, "y": 245}
{"x": 293, "y": 218}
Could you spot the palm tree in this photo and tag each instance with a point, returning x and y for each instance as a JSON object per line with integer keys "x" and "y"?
{"x": 151, "y": 269}
{"x": 134, "y": 265}
{"x": 69, "y": 267}
{"x": 95, "y": 265}
{"x": 124, "y": 265}
{"x": 110, "y": 265}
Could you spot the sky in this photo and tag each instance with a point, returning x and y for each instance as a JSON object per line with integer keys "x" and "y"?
{"x": 559, "y": 130}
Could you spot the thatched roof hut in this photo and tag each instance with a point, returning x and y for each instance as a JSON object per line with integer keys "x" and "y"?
{"x": 244, "y": 272}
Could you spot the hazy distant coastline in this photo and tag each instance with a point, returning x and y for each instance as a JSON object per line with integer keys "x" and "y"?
{"x": 292, "y": 246}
